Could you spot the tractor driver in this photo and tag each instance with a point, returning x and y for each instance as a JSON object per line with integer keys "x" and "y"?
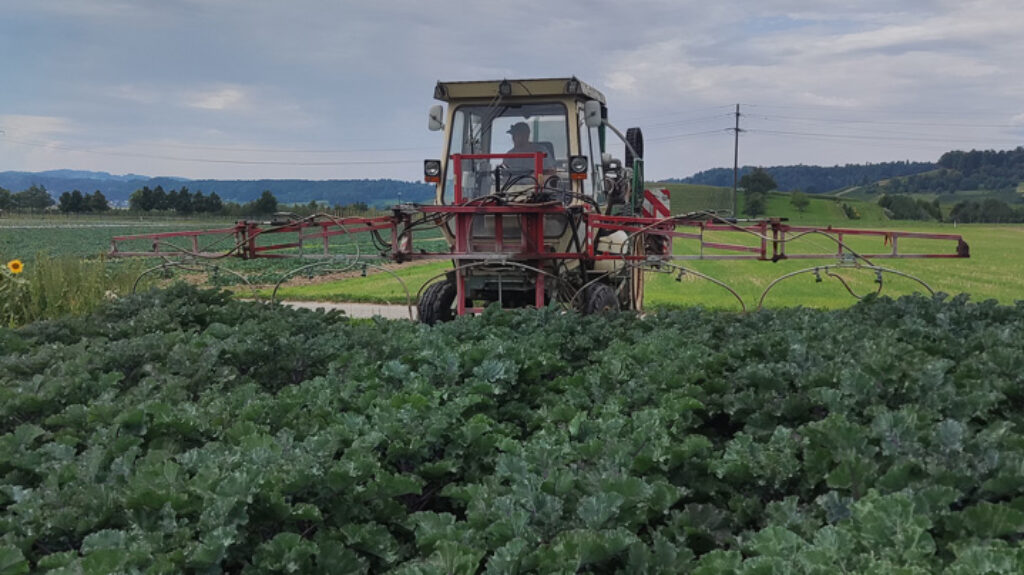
{"x": 521, "y": 144}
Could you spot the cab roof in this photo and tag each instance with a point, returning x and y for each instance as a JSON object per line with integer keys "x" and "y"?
{"x": 457, "y": 91}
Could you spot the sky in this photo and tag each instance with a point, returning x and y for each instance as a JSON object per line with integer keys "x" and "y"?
{"x": 339, "y": 89}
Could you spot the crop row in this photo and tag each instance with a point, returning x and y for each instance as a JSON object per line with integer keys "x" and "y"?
{"x": 182, "y": 431}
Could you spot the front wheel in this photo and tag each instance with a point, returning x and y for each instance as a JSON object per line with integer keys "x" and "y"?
{"x": 600, "y": 298}
{"x": 436, "y": 304}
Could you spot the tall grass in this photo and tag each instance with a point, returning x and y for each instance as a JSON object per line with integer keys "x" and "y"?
{"x": 52, "y": 287}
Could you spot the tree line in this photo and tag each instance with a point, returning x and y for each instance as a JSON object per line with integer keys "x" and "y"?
{"x": 35, "y": 198}
{"x": 182, "y": 201}
{"x": 989, "y": 170}
{"x": 815, "y": 179}
{"x": 988, "y": 210}
{"x": 75, "y": 202}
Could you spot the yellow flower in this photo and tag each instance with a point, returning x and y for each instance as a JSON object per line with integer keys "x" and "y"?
{"x": 15, "y": 266}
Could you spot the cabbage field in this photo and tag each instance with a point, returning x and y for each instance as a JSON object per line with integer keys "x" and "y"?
{"x": 180, "y": 431}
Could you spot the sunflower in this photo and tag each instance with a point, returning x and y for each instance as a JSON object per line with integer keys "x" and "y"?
{"x": 15, "y": 266}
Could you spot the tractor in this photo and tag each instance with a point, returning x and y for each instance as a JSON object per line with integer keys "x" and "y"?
{"x": 525, "y": 165}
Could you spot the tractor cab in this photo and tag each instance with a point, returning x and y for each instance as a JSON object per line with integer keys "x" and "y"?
{"x": 519, "y": 141}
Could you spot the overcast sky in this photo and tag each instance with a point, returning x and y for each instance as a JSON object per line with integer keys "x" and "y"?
{"x": 321, "y": 89}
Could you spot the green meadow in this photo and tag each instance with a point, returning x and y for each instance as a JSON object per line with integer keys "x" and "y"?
{"x": 995, "y": 269}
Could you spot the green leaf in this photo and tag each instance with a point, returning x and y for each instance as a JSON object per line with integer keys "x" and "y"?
{"x": 458, "y": 559}
{"x": 992, "y": 520}
{"x": 286, "y": 553}
{"x": 104, "y": 561}
{"x": 776, "y": 541}
{"x": 12, "y": 562}
{"x": 892, "y": 527}
{"x": 596, "y": 510}
{"x": 996, "y": 558}
{"x": 719, "y": 562}
{"x": 335, "y": 559}
{"x": 507, "y": 559}
{"x": 105, "y": 539}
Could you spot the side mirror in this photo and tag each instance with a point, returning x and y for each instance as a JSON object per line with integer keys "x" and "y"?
{"x": 592, "y": 113}
{"x": 435, "y": 120}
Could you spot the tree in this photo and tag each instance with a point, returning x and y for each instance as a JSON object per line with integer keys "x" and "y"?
{"x": 96, "y": 202}
{"x": 799, "y": 200}
{"x": 213, "y": 204}
{"x": 6, "y": 199}
{"x": 754, "y": 205}
{"x": 142, "y": 200}
{"x": 756, "y": 186}
{"x": 64, "y": 202}
{"x": 34, "y": 198}
{"x": 758, "y": 182}
{"x": 266, "y": 204}
{"x": 160, "y": 200}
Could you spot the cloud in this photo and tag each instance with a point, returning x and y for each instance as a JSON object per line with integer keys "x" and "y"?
{"x": 322, "y": 74}
{"x": 27, "y": 126}
{"x": 231, "y": 98}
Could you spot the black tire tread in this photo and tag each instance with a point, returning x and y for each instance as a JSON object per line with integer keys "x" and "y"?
{"x": 600, "y": 298}
{"x": 435, "y": 304}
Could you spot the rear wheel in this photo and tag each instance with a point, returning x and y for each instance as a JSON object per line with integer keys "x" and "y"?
{"x": 600, "y": 298}
{"x": 636, "y": 141}
{"x": 436, "y": 304}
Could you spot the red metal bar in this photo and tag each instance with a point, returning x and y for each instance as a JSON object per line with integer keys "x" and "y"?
{"x": 460, "y": 292}
{"x": 499, "y": 233}
{"x": 159, "y": 235}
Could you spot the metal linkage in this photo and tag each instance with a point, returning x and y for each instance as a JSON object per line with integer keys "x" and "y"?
{"x": 241, "y": 239}
{"x": 772, "y": 237}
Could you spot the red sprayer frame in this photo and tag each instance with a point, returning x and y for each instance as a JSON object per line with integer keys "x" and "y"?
{"x": 767, "y": 238}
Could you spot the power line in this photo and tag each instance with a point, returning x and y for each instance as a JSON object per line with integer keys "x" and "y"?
{"x": 640, "y": 119}
{"x": 700, "y": 120}
{"x": 868, "y": 131}
{"x": 956, "y": 113}
{"x": 209, "y": 160}
{"x": 861, "y": 137}
{"x": 284, "y": 150}
{"x": 688, "y": 135}
{"x": 883, "y": 123}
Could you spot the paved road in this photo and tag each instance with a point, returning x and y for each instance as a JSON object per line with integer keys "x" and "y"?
{"x": 358, "y": 309}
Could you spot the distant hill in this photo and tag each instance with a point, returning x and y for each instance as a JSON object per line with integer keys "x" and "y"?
{"x": 117, "y": 189}
{"x": 815, "y": 179}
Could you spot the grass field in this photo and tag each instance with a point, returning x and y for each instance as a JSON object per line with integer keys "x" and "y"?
{"x": 822, "y": 209}
{"x": 995, "y": 270}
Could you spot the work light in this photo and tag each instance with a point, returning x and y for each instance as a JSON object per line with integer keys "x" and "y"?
{"x": 432, "y": 171}
{"x": 578, "y": 167}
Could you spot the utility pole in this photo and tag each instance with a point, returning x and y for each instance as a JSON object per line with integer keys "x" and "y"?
{"x": 736, "y": 162}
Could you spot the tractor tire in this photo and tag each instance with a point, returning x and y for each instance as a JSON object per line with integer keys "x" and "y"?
{"x": 600, "y": 298}
{"x": 636, "y": 139}
{"x": 435, "y": 305}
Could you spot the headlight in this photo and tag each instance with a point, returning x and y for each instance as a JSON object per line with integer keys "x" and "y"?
{"x": 578, "y": 167}
{"x": 432, "y": 170}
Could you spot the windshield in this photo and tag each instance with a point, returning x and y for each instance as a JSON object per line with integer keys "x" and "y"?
{"x": 506, "y": 129}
